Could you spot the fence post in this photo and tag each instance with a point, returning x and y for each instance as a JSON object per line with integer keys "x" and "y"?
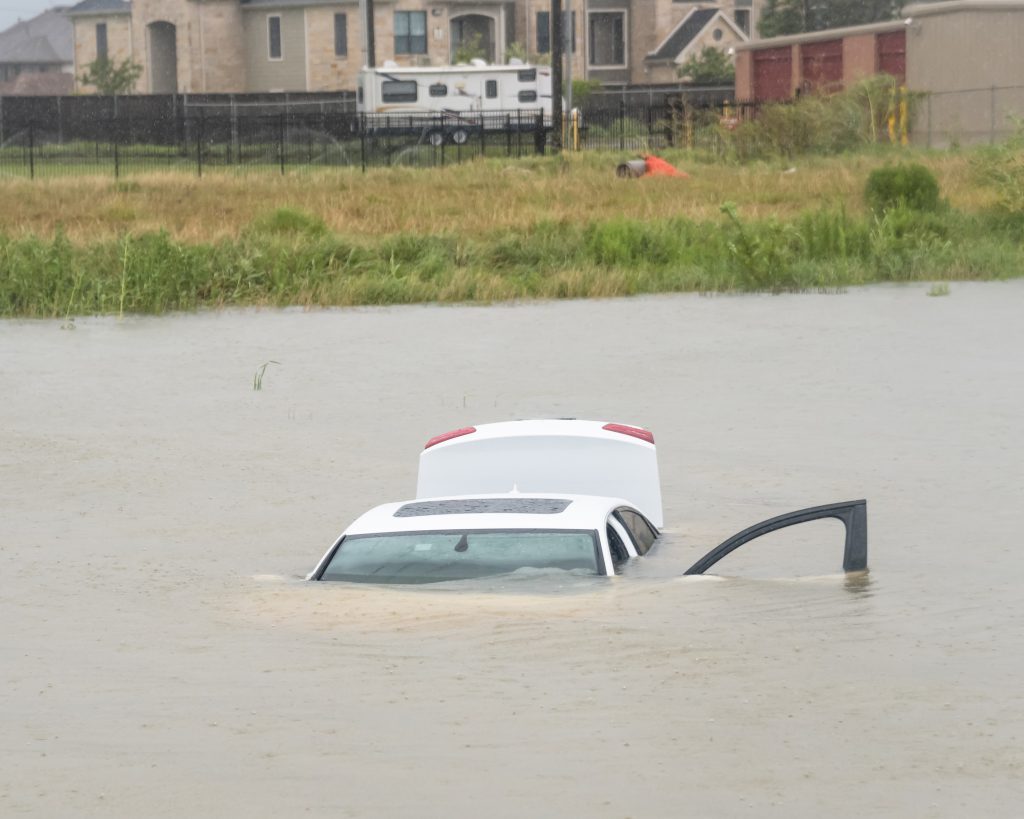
{"x": 234, "y": 132}
{"x": 361, "y": 119}
{"x": 280, "y": 143}
{"x": 508, "y": 135}
{"x": 199, "y": 144}
{"x": 440, "y": 130}
{"x": 929, "y": 106}
{"x": 117, "y": 156}
{"x": 32, "y": 150}
{"x": 622, "y": 124}
{"x": 992, "y": 116}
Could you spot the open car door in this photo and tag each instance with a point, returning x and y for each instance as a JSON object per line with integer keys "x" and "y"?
{"x": 853, "y": 514}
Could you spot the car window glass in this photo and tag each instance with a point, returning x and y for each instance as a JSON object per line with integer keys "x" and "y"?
{"x": 643, "y": 535}
{"x": 616, "y": 546}
{"x": 425, "y": 557}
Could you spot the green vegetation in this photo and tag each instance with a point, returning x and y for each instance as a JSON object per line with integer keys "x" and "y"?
{"x": 110, "y": 77}
{"x": 710, "y": 67}
{"x": 781, "y": 17}
{"x": 582, "y": 89}
{"x": 1001, "y": 168}
{"x": 552, "y": 227}
{"x": 824, "y": 125}
{"x": 300, "y": 263}
{"x": 471, "y": 48}
{"x": 910, "y": 185}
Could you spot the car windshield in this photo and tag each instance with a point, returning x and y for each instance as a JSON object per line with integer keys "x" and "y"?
{"x": 432, "y": 557}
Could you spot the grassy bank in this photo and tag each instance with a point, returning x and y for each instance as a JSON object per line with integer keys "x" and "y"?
{"x": 482, "y": 231}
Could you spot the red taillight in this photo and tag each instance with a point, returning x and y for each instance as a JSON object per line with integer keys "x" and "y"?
{"x": 636, "y": 432}
{"x": 447, "y": 436}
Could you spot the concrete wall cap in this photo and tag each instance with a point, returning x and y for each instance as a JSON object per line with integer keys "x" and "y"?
{"x": 827, "y": 34}
{"x": 951, "y": 6}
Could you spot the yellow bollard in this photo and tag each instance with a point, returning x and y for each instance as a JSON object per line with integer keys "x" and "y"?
{"x": 904, "y": 117}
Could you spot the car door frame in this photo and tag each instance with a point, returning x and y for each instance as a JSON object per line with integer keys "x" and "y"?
{"x": 852, "y": 514}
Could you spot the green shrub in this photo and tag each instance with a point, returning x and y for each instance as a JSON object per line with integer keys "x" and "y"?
{"x": 1001, "y": 168}
{"x": 910, "y": 186}
{"x": 290, "y": 221}
{"x": 822, "y": 124}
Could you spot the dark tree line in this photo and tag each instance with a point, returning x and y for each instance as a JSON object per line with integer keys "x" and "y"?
{"x": 795, "y": 16}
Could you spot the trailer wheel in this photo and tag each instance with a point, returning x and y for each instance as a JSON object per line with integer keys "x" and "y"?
{"x": 436, "y": 138}
{"x": 460, "y": 136}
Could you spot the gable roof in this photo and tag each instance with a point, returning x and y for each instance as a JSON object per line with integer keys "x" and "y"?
{"x": 47, "y": 38}
{"x": 688, "y": 30}
{"x": 100, "y": 7}
{"x": 253, "y": 4}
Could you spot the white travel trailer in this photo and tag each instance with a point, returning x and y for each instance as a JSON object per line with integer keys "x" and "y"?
{"x": 459, "y": 96}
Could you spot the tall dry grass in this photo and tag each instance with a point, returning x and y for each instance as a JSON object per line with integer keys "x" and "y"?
{"x": 473, "y": 199}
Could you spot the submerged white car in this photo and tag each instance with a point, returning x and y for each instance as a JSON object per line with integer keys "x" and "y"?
{"x": 477, "y": 535}
{"x": 552, "y": 494}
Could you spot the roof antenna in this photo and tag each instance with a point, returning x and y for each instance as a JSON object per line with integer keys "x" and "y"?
{"x": 515, "y": 489}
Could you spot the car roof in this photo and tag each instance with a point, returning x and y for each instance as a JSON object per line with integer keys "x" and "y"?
{"x": 514, "y": 511}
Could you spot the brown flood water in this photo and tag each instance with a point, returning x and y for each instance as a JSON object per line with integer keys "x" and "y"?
{"x": 159, "y": 655}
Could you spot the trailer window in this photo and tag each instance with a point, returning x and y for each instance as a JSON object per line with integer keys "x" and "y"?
{"x": 530, "y": 75}
{"x": 398, "y": 91}
{"x": 491, "y": 89}
{"x": 439, "y": 90}
{"x": 527, "y": 96}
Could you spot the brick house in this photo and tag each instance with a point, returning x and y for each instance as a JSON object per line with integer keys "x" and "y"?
{"x": 198, "y": 46}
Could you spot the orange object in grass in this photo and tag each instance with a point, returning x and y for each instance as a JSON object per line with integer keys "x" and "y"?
{"x": 659, "y": 167}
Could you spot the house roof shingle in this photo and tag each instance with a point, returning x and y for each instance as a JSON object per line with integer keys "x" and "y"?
{"x": 100, "y": 7}
{"x": 45, "y": 39}
{"x": 685, "y": 33}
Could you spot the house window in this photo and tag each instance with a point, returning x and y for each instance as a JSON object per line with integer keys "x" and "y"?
{"x": 742, "y": 18}
{"x": 527, "y": 96}
{"x": 274, "y": 38}
{"x": 340, "y": 35}
{"x": 543, "y": 32}
{"x": 101, "y": 41}
{"x": 608, "y": 38}
{"x": 410, "y": 32}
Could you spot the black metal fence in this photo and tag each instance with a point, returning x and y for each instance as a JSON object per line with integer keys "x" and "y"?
{"x": 205, "y": 137}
